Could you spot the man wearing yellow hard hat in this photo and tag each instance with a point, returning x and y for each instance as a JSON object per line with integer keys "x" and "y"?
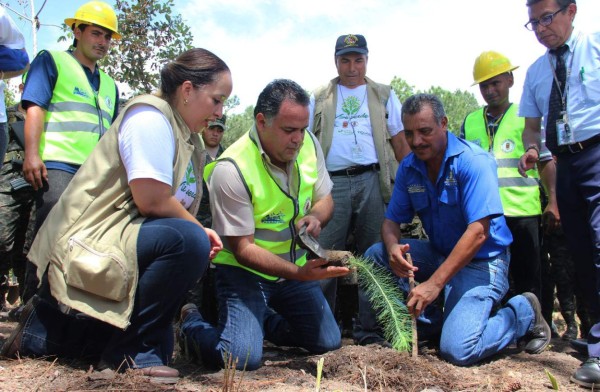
{"x": 497, "y": 128}
{"x": 70, "y": 103}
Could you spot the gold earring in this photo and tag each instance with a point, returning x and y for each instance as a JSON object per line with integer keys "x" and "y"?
{"x": 185, "y": 101}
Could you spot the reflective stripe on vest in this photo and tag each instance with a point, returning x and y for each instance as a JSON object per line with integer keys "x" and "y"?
{"x": 520, "y": 196}
{"x": 77, "y": 116}
{"x": 275, "y": 211}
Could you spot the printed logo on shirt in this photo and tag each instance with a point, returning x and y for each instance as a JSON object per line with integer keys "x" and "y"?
{"x": 273, "y": 218}
{"x": 80, "y": 92}
{"x": 508, "y": 146}
{"x": 450, "y": 181}
{"x": 416, "y": 188}
{"x": 109, "y": 103}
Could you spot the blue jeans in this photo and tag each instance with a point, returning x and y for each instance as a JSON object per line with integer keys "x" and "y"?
{"x": 472, "y": 324}
{"x": 172, "y": 255}
{"x": 359, "y": 209}
{"x": 3, "y": 141}
{"x": 288, "y": 313}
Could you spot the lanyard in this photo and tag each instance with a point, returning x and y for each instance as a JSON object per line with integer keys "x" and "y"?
{"x": 493, "y": 126}
{"x": 563, "y": 94}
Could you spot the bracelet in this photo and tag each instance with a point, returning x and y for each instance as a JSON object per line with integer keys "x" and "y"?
{"x": 533, "y": 147}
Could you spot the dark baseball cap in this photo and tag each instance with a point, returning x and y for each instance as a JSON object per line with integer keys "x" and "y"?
{"x": 219, "y": 122}
{"x": 351, "y": 43}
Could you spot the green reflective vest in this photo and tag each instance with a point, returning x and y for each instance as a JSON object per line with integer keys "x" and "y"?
{"x": 275, "y": 210}
{"x": 520, "y": 196}
{"x": 77, "y": 115}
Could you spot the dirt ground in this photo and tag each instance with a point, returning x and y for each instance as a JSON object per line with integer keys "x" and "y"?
{"x": 351, "y": 368}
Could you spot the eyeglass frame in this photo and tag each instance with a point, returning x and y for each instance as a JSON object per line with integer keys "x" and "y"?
{"x": 532, "y": 25}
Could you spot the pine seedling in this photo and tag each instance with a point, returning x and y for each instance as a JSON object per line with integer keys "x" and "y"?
{"x": 387, "y": 301}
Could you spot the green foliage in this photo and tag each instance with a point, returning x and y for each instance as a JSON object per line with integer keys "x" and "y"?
{"x": 237, "y": 125}
{"x": 9, "y": 95}
{"x": 387, "y": 300}
{"x": 152, "y": 35}
{"x": 552, "y": 380}
{"x": 457, "y": 104}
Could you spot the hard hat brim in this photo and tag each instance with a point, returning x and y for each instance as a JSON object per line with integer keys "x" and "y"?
{"x": 70, "y": 21}
{"x": 491, "y": 75}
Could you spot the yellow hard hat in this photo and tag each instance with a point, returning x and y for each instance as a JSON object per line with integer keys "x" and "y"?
{"x": 490, "y": 64}
{"x": 98, "y": 13}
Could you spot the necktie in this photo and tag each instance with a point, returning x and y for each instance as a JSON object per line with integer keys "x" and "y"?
{"x": 555, "y": 106}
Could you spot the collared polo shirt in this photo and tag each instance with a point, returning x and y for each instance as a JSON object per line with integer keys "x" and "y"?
{"x": 465, "y": 191}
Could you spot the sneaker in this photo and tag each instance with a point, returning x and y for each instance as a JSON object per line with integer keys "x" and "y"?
{"x": 588, "y": 375}
{"x": 539, "y": 335}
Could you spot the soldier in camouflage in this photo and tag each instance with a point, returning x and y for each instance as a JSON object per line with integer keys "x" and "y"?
{"x": 17, "y": 209}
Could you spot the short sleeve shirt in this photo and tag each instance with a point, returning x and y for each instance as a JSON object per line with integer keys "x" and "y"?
{"x": 466, "y": 191}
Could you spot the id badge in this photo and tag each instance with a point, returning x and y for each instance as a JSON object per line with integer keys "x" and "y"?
{"x": 357, "y": 151}
{"x": 563, "y": 133}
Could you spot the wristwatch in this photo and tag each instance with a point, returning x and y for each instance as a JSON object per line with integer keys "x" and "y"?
{"x": 534, "y": 147}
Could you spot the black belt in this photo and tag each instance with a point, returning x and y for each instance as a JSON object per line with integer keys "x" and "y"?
{"x": 355, "y": 170}
{"x": 578, "y": 146}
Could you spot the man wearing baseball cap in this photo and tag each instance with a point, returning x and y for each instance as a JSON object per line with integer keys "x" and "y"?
{"x": 358, "y": 124}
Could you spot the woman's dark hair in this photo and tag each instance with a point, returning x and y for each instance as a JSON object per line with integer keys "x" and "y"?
{"x": 199, "y": 66}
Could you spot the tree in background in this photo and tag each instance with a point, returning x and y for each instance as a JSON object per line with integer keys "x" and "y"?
{"x": 457, "y": 104}
{"x": 237, "y": 125}
{"x": 152, "y": 35}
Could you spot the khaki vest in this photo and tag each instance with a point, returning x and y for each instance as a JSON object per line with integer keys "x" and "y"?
{"x": 520, "y": 196}
{"x": 377, "y": 97}
{"x": 88, "y": 242}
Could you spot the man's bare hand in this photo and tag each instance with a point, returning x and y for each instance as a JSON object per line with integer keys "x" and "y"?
{"x": 421, "y": 296}
{"x": 527, "y": 162}
{"x": 34, "y": 171}
{"x": 314, "y": 270}
{"x": 398, "y": 263}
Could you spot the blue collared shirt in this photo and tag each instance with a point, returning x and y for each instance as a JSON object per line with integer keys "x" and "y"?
{"x": 583, "y": 82}
{"x": 466, "y": 190}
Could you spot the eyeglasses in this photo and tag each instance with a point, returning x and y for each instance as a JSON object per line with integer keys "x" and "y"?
{"x": 545, "y": 21}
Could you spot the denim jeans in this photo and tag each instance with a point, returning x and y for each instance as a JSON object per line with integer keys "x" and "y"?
{"x": 287, "y": 313}
{"x": 359, "y": 209}
{"x": 172, "y": 255}
{"x": 472, "y": 324}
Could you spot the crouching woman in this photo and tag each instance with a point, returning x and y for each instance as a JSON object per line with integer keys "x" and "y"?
{"x": 121, "y": 248}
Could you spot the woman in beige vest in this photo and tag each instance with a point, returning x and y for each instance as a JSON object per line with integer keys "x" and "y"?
{"x": 121, "y": 248}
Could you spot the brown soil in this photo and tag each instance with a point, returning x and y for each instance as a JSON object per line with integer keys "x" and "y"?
{"x": 352, "y": 368}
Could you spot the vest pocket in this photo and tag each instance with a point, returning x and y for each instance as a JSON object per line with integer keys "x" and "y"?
{"x": 99, "y": 270}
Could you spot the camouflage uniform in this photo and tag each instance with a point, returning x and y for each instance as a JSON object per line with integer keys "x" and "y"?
{"x": 17, "y": 210}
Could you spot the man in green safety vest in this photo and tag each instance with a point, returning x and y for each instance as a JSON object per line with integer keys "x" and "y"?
{"x": 266, "y": 186}
{"x": 497, "y": 128}
{"x": 70, "y": 103}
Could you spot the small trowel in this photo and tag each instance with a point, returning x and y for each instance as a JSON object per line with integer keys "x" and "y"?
{"x": 309, "y": 242}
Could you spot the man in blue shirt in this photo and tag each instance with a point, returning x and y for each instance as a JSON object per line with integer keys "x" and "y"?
{"x": 452, "y": 186}
{"x": 563, "y": 86}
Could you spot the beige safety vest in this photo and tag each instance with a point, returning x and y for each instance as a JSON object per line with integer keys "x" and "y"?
{"x": 377, "y": 96}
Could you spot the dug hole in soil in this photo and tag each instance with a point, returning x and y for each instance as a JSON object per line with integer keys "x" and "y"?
{"x": 351, "y": 368}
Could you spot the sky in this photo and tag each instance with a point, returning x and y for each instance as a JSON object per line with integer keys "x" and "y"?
{"x": 425, "y": 42}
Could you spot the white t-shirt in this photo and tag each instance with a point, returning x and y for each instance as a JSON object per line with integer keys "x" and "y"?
{"x": 147, "y": 150}
{"x": 353, "y": 142}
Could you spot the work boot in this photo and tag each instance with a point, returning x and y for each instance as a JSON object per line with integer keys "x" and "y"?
{"x": 539, "y": 335}
{"x": 588, "y": 375}
{"x": 580, "y": 345}
{"x": 572, "y": 329}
